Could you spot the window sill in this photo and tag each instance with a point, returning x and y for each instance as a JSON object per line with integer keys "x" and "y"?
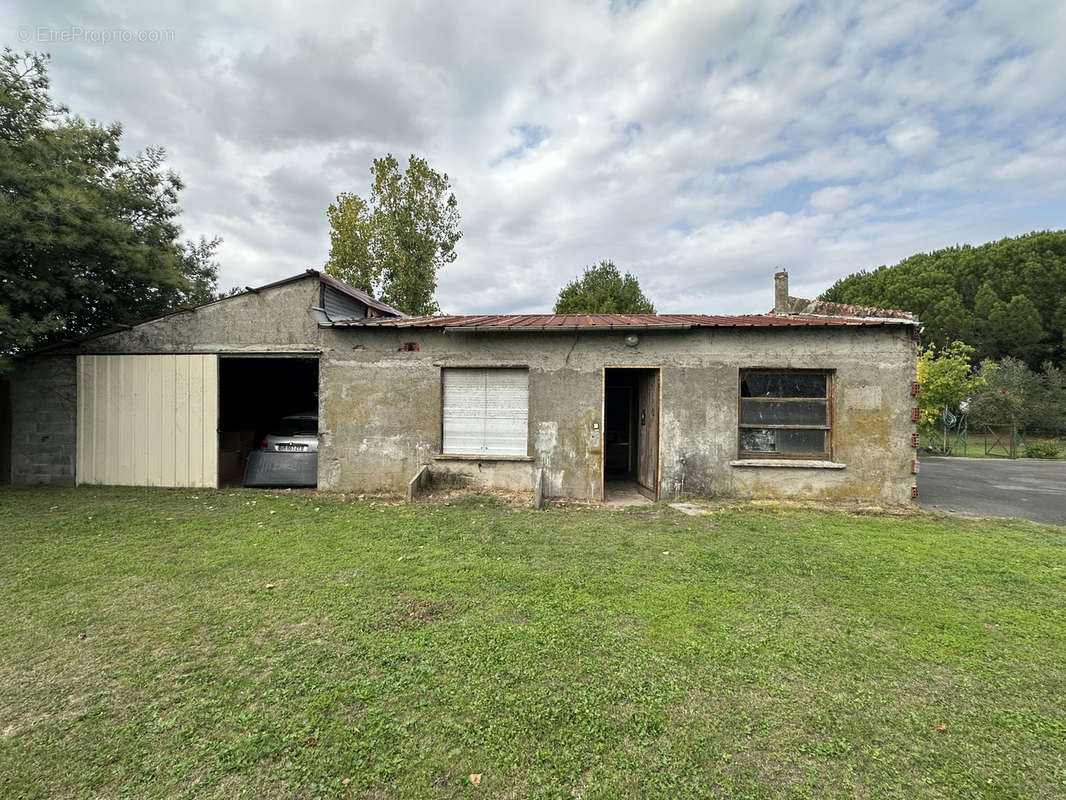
{"x": 476, "y": 457}
{"x": 795, "y": 463}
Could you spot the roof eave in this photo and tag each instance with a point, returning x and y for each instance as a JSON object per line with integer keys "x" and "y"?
{"x": 676, "y": 326}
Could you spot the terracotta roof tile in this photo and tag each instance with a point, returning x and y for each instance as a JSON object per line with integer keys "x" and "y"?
{"x": 800, "y": 305}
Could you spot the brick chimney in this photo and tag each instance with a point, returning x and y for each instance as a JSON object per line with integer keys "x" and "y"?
{"x": 781, "y": 292}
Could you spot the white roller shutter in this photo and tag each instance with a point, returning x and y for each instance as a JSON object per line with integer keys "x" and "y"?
{"x": 486, "y": 411}
{"x": 148, "y": 420}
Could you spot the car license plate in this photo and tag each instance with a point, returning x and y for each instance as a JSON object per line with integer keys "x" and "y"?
{"x": 292, "y": 448}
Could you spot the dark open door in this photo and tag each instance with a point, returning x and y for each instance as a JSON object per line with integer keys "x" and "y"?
{"x": 631, "y": 431}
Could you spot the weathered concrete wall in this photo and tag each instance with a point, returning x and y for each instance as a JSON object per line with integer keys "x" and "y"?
{"x": 380, "y": 407}
{"x": 44, "y": 390}
{"x": 483, "y": 473}
{"x": 44, "y": 406}
{"x": 276, "y": 318}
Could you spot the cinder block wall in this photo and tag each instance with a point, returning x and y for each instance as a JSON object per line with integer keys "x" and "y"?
{"x": 44, "y": 406}
{"x": 381, "y": 407}
{"x": 271, "y": 319}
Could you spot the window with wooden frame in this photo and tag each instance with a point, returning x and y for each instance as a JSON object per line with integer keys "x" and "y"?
{"x": 786, "y": 414}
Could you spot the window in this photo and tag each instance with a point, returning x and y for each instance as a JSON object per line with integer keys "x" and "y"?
{"x": 786, "y": 414}
{"x": 485, "y": 411}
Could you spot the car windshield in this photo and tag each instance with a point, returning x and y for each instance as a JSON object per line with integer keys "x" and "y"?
{"x": 306, "y": 426}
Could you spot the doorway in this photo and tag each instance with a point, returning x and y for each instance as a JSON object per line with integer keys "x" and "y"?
{"x": 631, "y": 399}
{"x": 255, "y": 394}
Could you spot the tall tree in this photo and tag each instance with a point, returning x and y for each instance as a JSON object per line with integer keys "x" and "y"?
{"x": 1015, "y": 327}
{"x": 393, "y": 244}
{"x": 946, "y": 379}
{"x": 603, "y": 290}
{"x": 1004, "y": 297}
{"x": 88, "y": 237}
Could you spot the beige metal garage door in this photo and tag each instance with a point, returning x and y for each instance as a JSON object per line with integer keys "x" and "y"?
{"x": 148, "y": 420}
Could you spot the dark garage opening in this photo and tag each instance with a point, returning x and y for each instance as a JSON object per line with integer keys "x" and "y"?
{"x": 631, "y": 431}
{"x": 254, "y": 393}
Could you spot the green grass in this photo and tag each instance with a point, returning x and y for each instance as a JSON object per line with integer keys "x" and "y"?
{"x": 759, "y": 652}
{"x": 980, "y": 445}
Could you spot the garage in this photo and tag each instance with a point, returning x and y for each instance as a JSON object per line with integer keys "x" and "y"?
{"x": 185, "y": 420}
{"x": 185, "y": 399}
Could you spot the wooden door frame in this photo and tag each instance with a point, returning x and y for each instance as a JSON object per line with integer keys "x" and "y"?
{"x": 603, "y": 428}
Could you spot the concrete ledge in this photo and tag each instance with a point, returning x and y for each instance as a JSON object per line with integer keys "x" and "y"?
{"x": 538, "y": 490}
{"x": 419, "y": 484}
{"x": 786, "y": 462}
{"x": 463, "y": 457}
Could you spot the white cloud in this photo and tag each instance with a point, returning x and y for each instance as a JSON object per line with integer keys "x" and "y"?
{"x": 699, "y": 145}
{"x": 911, "y": 138}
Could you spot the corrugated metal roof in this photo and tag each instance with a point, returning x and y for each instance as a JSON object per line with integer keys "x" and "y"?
{"x": 358, "y": 294}
{"x": 564, "y": 322}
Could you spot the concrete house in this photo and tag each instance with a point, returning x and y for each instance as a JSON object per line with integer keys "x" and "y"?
{"x": 812, "y": 399}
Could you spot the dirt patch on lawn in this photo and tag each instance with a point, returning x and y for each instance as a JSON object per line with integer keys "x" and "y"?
{"x": 412, "y": 612}
{"x": 453, "y": 495}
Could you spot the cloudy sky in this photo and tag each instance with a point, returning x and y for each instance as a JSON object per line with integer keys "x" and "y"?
{"x": 699, "y": 145}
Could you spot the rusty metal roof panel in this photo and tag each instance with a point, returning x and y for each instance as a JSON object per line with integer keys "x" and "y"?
{"x": 563, "y": 322}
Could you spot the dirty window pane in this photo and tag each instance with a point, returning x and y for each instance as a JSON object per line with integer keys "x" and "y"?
{"x": 782, "y": 384}
{"x": 782, "y": 404}
{"x": 788, "y": 442}
{"x": 758, "y": 440}
{"x": 801, "y": 442}
{"x": 761, "y": 412}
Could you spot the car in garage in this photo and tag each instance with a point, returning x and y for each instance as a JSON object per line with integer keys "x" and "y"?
{"x": 296, "y": 433}
{"x": 288, "y": 457}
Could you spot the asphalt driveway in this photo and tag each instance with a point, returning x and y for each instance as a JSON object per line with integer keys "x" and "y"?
{"x": 989, "y": 487}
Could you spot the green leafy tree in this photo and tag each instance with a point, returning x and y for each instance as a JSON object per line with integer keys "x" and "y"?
{"x": 1049, "y": 415}
{"x": 986, "y": 301}
{"x": 603, "y": 290}
{"x": 946, "y": 380}
{"x": 1013, "y": 393}
{"x": 393, "y": 244}
{"x": 1002, "y": 398}
{"x": 961, "y": 293}
{"x": 1015, "y": 327}
{"x": 88, "y": 237}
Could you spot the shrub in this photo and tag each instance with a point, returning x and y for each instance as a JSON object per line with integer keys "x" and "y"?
{"x": 1042, "y": 450}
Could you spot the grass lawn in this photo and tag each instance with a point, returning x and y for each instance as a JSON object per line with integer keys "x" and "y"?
{"x": 981, "y": 445}
{"x": 221, "y": 644}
